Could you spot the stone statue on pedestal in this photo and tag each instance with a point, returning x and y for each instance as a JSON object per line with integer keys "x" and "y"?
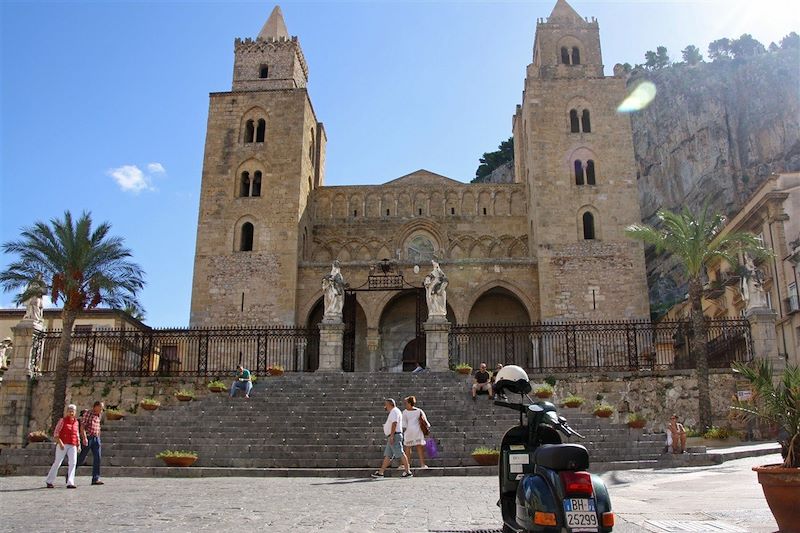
{"x": 333, "y": 287}
{"x": 753, "y": 285}
{"x": 5, "y": 356}
{"x": 34, "y": 307}
{"x": 436, "y": 291}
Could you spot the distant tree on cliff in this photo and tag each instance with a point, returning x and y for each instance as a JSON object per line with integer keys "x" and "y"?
{"x": 656, "y": 60}
{"x": 493, "y": 160}
{"x": 746, "y": 46}
{"x": 691, "y": 55}
{"x": 790, "y": 42}
{"x": 720, "y": 49}
{"x": 696, "y": 241}
{"x": 77, "y": 265}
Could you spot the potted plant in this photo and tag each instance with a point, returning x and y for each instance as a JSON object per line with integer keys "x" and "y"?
{"x": 463, "y": 368}
{"x": 275, "y": 370}
{"x": 177, "y": 457}
{"x": 486, "y": 456}
{"x": 636, "y": 421}
{"x": 185, "y": 395}
{"x": 216, "y": 386}
{"x": 38, "y": 436}
{"x": 114, "y": 414}
{"x": 543, "y": 391}
{"x": 150, "y": 404}
{"x": 572, "y": 401}
{"x": 602, "y": 410}
{"x": 777, "y": 403}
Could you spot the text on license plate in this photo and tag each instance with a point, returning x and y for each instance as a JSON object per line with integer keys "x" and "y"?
{"x": 580, "y": 514}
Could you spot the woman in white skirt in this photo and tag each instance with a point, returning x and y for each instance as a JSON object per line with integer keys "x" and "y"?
{"x": 412, "y": 430}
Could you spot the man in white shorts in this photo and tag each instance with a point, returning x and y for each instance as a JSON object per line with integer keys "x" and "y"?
{"x": 393, "y": 429}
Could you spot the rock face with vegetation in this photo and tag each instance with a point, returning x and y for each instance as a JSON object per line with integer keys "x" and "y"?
{"x": 714, "y": 132}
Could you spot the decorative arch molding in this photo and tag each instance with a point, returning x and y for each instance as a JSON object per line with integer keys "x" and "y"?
{"x": 570, "y": 42}
{"x": 308, "y": 307}
{"x": 421, "y": 226}
{"x": 598, "y": 226}
{"x": 236, "y": 235}
{"x": 474, "y": 295}
{"x": 255, "y": 114}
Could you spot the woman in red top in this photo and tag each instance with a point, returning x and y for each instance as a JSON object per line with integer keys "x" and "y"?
{"x": 67, "y": 443}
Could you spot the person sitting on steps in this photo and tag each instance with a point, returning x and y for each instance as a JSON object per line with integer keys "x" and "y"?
{"x": 243, "y": 382}
{"x": 676, "y": 436}
{"x": 481, "y": 382}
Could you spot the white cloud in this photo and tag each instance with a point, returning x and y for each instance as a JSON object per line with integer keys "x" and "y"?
{"x": 156, "y": 168}
{"x": 130, "y": 178}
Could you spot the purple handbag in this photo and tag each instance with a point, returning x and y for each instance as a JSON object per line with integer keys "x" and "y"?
{"x": 431, "y": 450}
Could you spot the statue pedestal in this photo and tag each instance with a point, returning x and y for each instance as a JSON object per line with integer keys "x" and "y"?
{"x": 331, "y": 345}
{"x": 15, "y": 394}
{"x": 437, "y": 331}
{"x": 765, "y": 338}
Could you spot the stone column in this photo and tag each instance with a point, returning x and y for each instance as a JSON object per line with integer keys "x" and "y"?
{"x": 331, "y": 345}
{"x": 15, "y": 393}
{"x": 765, "y": 339}
{"x": 437, "y": 331}
{"x": 373, "y": 342}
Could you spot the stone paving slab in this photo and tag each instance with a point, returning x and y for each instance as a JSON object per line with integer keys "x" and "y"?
{"x": 713, "y": 498}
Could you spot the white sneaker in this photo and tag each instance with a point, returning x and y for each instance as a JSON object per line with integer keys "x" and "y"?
{"x": 401, "y": 467}
{"x": 424, "y": 467}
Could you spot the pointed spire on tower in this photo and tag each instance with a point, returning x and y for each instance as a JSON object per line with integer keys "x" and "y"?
{"x": 563, "y": 12}
{"x": 275, "y": 27}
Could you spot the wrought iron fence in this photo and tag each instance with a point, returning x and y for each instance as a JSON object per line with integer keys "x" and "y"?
{"x": 181, "y": 352}
{"x": 586, "y": 346}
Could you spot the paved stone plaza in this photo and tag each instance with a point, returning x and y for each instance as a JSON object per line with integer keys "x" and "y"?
{"x": 726, "y": 497}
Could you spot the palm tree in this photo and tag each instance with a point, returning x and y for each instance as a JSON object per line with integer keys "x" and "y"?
{"x": 696, "y": 241}
{"x": 76, "y": 265}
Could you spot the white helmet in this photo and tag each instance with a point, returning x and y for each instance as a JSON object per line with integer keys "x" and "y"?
{"x": 513, "y": 379}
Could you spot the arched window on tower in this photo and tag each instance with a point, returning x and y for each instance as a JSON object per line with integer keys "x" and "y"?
{"x": 590, "y": 173}
{"x": 588, "y": 226}
{"x": 249, "y": 131}
{"x": 574, "y": 126}
{"x": 246, "y": 241}
{"x": 578, "y": 172}
{"x": 256, "y": 188}
{"x": 311, "y": 147}
{"x": 262, "y": 128}
{"x": 576, "y": 56}
{"x": 586, "y": 125}
{"x": 564, "y": 55}
{"x": 244, "y": 184}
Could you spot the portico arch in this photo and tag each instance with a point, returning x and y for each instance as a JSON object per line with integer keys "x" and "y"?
{"x": 499, "y": 302}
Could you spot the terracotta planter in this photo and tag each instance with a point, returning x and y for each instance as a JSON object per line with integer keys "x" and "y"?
{"x": 217, "y": 389}
{"x": 275, "y": 372}
{"x": 149, "y": 406}
{"x": 114, "y": 416}
{"x": 573, "y": 405}
{"x": 179, "y": 461}
{"x": 486, "y": 459}
{"x": 637, "y": 424}
{"x": 544, "y": 395}
{"x": 37, "y": 438}
{"x": 781, "y": 487}
{"x": 183, "y": 398}
{"x": 603, "y": 414}
{"x": 464, "y": 371}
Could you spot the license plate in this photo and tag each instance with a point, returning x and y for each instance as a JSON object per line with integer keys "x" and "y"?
{"x": 580, "y": 514}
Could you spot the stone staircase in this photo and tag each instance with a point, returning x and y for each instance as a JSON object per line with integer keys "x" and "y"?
{"x": 330, "y": 425}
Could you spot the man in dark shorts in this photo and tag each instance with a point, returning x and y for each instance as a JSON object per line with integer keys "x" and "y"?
{"x": 481, "y": 382}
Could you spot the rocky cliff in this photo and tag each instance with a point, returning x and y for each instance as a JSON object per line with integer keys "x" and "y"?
{"x": 714, "y": 132}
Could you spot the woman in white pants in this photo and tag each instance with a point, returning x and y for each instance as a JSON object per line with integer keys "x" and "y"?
{"x": 67, "y": 439}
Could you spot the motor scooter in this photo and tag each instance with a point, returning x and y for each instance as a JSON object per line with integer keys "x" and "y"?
{"x": 544, "y": 484}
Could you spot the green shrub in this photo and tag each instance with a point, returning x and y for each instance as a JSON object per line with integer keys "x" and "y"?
{"x": 543, "y": 391}
{"x": 574, "y": 401}
{"x": 716, "y": 433}
{"x": 484, "y": 450}
{"x": 176, "y": 453}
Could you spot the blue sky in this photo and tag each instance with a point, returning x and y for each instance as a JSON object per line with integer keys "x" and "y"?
{"x": 104, "y": 104}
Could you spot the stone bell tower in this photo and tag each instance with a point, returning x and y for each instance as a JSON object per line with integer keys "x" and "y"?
{"x": 264, "y": 154}
{"x": 575, "y": 154}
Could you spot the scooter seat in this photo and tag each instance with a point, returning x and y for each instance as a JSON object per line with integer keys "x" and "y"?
{"x": 562, "y": 456}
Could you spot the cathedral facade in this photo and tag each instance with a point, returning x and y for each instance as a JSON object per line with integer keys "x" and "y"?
{"x": 548, "y": 247}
